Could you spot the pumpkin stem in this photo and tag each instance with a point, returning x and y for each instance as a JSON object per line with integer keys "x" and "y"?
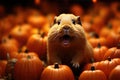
{"x": 109, "y": 59}
{"x": 19, "y": 29}
{"x": 109, "y": 26}
{"x": 4, "y": 41}
{"x": 28, "y": 57}
{"x": 26, "y": 51}
{"x": 9, "y": 36}
{"x": 56, "y": 65}
{"x": 118, "y": 45}
{"x": 94, "y": 34}
{"x": 99, "y": 45}
{"x": 92, "y": 68}
{"x": 42, "y": 34}
{"x": 92, "y": 60}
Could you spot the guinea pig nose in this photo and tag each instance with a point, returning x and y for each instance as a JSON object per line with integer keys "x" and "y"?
{"x": 66, "y": 27}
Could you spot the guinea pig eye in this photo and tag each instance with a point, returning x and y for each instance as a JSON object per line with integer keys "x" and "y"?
{"x": 58, "y": 22}
{"x": 73, "y": 21}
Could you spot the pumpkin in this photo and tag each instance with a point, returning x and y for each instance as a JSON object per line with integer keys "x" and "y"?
{"x": 92, "y": 74}
{"x": 3, "y": 64}
{"x": 107, "y": 65}
{"x": 98, "y": 23}
{"x": 112, "y": 39}
{"x": 25, "y": 53}
{"x": 94, "y": 41}
{"x": 113, "y": 52}
{"x": 5, "y": 27}
{"x": 99, "y": 52}
{"x": 28, "y": 68}
{"x": 115, "y": 73}
{"x": 57, "y": 72}
{"x": 88, "y": 65}
{"x": 76, "y": 10}
{"x": 8, "y": 45}
{"x": 37, "y": 43}
{"x": 106, "y": 30}
{"x": 21, "y": 33}
{"x": 36, "y": 20}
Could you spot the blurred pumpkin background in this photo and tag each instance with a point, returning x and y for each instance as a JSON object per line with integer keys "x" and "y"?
{"x": 24, "y": 25}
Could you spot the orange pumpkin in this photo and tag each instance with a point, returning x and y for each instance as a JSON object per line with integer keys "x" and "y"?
{"x": 107, "y": 65}
{"x": 28, "y": 68}
{"x": 92, "y": 74}
{"x": 8, "y": 45}
{"x": 37, "y": 20}
{"x": 106, "y": 30}
{"x": 5, "y": 27}
{"x": 112, "y": 39}
{"x": 25, "y": 54}
{"x": 37, "y": 43}
{"x": 21, "y": 33}
{"x": 57, "y": 72}
{"x": 97, "y": 24}
{"x": 115, "y": 73}
{"x": 113, "y": 52}
{"x": 95, "y": 41}
{"x": 99, "y": 52}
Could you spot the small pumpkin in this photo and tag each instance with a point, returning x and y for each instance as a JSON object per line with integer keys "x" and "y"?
{"x": 28, "y": 68}
{"x": 113, "y": 52}
{"x": 37, "y": 43}
{"x": 98, "y": 23}
{"x": 36, "y": 20}
{"x": 115, "y": 73}
{"x": 25, "y": 54}
{"x": 95, "y": 41}
{"x": 57, "y": 72}
{"x": 99, "y": 52}
{"x": 112, "y": 39}
{"x": 21, "y": 33}
{"x": 8, "y": 45}
{"x": 92, "y": 74}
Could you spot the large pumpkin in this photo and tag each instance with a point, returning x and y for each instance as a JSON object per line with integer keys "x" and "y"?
{"x": 115, "y": 73}
{"x": 57, "y": 72}
{"x": 28, "y": 68}
{"x": 107, "y": 65}
{"x": 92, "y": 74}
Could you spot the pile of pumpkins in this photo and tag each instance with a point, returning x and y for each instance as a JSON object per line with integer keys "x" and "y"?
{"x": 23, "y": 45}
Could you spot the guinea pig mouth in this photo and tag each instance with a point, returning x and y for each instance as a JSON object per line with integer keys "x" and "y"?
{"x": 66, "y": 39}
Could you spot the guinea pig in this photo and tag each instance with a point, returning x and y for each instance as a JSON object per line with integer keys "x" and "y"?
{"x": 67, "y": 43}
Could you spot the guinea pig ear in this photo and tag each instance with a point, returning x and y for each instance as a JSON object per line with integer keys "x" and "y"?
{"x": 78, "y": 20}
{"x": 54, "y": 21}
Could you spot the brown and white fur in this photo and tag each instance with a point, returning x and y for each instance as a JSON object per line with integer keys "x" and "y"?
{"x": 67, "y": 42}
